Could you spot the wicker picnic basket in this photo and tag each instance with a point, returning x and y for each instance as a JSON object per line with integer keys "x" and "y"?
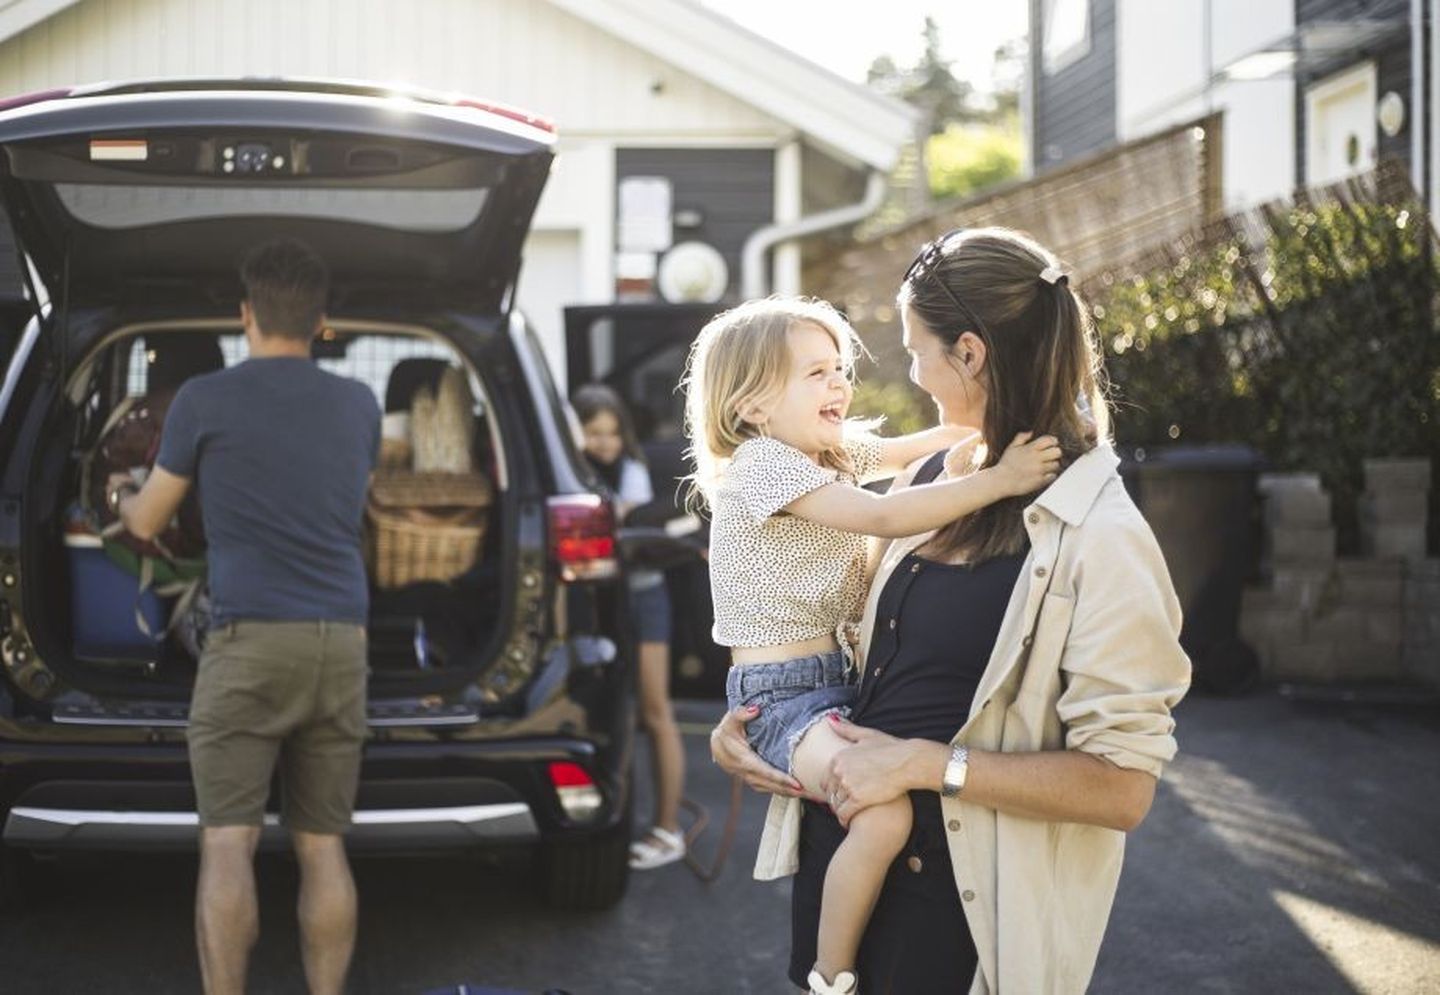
{"x": 424, "y": 526}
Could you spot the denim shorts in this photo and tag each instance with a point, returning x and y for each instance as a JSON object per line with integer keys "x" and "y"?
{"x": 650, "y": 609}
{"x": 793, "y": 695}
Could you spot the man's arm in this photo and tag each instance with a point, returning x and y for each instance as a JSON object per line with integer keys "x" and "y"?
{"x": 146, "y": 512}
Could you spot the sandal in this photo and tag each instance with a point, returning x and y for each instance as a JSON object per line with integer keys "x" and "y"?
{"x": 658, "y": 848}
{"x": 844, "y": 984}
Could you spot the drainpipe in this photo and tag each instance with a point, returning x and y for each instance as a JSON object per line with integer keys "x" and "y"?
{"x": 755, "y": 280}
{"x": 1428, "y": 124}
{"x": 1419, "y": 126}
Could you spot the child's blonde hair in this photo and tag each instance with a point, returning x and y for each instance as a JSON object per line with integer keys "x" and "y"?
{"x": 742, "y": 357}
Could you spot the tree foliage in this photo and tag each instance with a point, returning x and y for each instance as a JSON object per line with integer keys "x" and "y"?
{"x": 973, "y": 139}
{"x": 929, "y": 84}
{"x": 965, "y": 158}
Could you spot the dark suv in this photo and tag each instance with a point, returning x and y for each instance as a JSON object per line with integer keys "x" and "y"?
{"x": 501, "y": 704}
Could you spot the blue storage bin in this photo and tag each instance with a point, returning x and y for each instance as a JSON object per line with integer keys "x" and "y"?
{"x": 102, "y": 606}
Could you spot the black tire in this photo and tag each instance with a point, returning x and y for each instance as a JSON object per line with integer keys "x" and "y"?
{"x": 590, "y": 873}
{"x": 19, "y": 879}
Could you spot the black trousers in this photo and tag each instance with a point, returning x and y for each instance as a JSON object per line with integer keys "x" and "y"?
{"x": 917, "y": 942}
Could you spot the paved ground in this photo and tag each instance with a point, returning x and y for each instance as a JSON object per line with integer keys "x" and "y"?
{"x": 1292, "y": 848}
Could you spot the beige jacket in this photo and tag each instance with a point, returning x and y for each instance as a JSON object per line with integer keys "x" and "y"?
{"x": 1088, "y": 658}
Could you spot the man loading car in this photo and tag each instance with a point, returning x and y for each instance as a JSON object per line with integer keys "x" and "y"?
{"x": 280, "y": 453}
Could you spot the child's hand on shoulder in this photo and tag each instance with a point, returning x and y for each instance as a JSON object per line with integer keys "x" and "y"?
{"x": 1028, "y": 464}
{"x": 960, "y": 460}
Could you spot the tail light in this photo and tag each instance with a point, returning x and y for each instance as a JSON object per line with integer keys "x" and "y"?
{"x": 39, "y": 96}
{"x": 507, "y": 111}
{"x": 575, "y": 789}
{"x": 582, "y": 537}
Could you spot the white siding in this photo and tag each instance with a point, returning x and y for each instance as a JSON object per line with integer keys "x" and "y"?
{"x": 602, "y": 92}
{"x": 524, "y": 52}
{"x": 1163, "y": 77}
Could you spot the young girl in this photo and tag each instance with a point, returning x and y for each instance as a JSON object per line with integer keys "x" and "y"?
{"x": 613, "y": 451}
{"x": 768, "y": 389}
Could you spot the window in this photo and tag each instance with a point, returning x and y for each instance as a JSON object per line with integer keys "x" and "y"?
{"x": 133, "y": 206}
{"x": 1065, "y": 32}
{"x": 367, "y": 358}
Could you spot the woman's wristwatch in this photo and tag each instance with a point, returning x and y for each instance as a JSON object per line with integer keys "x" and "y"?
{"x": 953, "y": 781}
{"x": 119, "y": 493}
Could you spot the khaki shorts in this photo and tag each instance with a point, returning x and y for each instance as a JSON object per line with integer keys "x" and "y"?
{"x": 292, "y": 691}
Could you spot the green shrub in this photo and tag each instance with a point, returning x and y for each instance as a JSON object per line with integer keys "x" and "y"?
{"x": 1307, "y": 331}
{"x": 964, "y": 159}
{"x": 903, "y": 406}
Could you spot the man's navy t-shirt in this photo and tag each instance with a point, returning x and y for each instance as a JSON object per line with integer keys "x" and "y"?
{"x": 281, "y": 453}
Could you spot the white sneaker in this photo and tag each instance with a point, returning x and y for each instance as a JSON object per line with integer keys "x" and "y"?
{"x": 844, "y": 984}
{"x": 658, "y": 848}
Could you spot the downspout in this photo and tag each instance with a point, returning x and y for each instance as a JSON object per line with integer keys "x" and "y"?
{"x": 1030, "y": 92}
{"x": 1419, "y": 126}
{"x": 754, "y": 278}
{"x": 1428, "y": 125}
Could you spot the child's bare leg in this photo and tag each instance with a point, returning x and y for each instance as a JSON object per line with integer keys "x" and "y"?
{"x": 857, "y": 870}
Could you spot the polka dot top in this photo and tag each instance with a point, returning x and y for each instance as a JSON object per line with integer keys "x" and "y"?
{"x": 776, "y": 578}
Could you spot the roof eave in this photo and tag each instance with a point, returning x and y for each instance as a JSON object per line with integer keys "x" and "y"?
{"x": 20, "y": 15}
{"x": 846, "y": 117}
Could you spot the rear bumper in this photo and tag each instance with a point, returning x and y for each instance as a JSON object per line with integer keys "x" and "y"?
{"x": 452, "y": 827}
{"x": 440, "y": 795}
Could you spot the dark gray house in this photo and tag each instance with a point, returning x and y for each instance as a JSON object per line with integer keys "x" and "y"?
{"x": 1309, "y": 91}
{"x": 1072, "y": 78}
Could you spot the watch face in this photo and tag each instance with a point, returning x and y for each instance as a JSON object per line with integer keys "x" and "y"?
{"x": 954, "y": 780}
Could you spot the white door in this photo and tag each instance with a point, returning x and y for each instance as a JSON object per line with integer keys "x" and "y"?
{"x": 549, "y": 280}
{"x": 1342, "y": 136}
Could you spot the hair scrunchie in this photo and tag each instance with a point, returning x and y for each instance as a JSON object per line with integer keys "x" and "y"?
{"x": 1053, "y": 276}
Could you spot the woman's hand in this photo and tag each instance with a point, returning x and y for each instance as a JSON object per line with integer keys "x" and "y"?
{"x": 875, "y": 769}
{"x": 729, "y": 749}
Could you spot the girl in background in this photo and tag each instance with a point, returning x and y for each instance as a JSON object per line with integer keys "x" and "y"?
{"x": 614, "y": 452}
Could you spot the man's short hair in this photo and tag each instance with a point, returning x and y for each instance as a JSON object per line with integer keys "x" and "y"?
{"x": 286, "y": 284}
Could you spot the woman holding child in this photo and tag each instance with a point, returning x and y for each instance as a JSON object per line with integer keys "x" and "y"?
{"x": 1019, "y": 661}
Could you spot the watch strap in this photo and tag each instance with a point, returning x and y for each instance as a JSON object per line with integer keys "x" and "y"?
{"x": 956, "y": 770}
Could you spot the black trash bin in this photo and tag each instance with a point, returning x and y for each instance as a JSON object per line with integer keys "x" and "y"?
{"x": 1203, "y": 505}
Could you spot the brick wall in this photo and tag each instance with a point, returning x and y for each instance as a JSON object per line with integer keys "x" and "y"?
{"x": 1328, "y": 619}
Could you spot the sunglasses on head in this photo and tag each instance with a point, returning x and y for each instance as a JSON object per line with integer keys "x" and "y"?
{"x": 925, "y": 266}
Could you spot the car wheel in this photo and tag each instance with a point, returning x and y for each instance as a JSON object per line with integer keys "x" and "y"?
{"x": 19, "y": 879}
{"x": 590, "y": 873}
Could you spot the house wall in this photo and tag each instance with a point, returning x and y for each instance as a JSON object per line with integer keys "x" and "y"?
{"x": 1074, "y": 109}
{"x": 732, "y": 188}
{"x": 1167, "y": 55}
{"x": 519, "y": 51}
{"x": 602, "y": 92}
{"x": 1392, "y": 62}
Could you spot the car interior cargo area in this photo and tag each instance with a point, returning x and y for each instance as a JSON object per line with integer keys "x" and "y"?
{"x": 117, "y": 608}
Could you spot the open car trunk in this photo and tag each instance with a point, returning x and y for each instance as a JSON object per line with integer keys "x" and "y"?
{"x": 140, "y": 199}
{"x": 434, "y": 624}
{"x": 132, "y": 193}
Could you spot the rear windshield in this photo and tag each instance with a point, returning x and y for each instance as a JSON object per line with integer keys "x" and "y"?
{"x": 122, "y": 206}
{"x": 371, "y": 359}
